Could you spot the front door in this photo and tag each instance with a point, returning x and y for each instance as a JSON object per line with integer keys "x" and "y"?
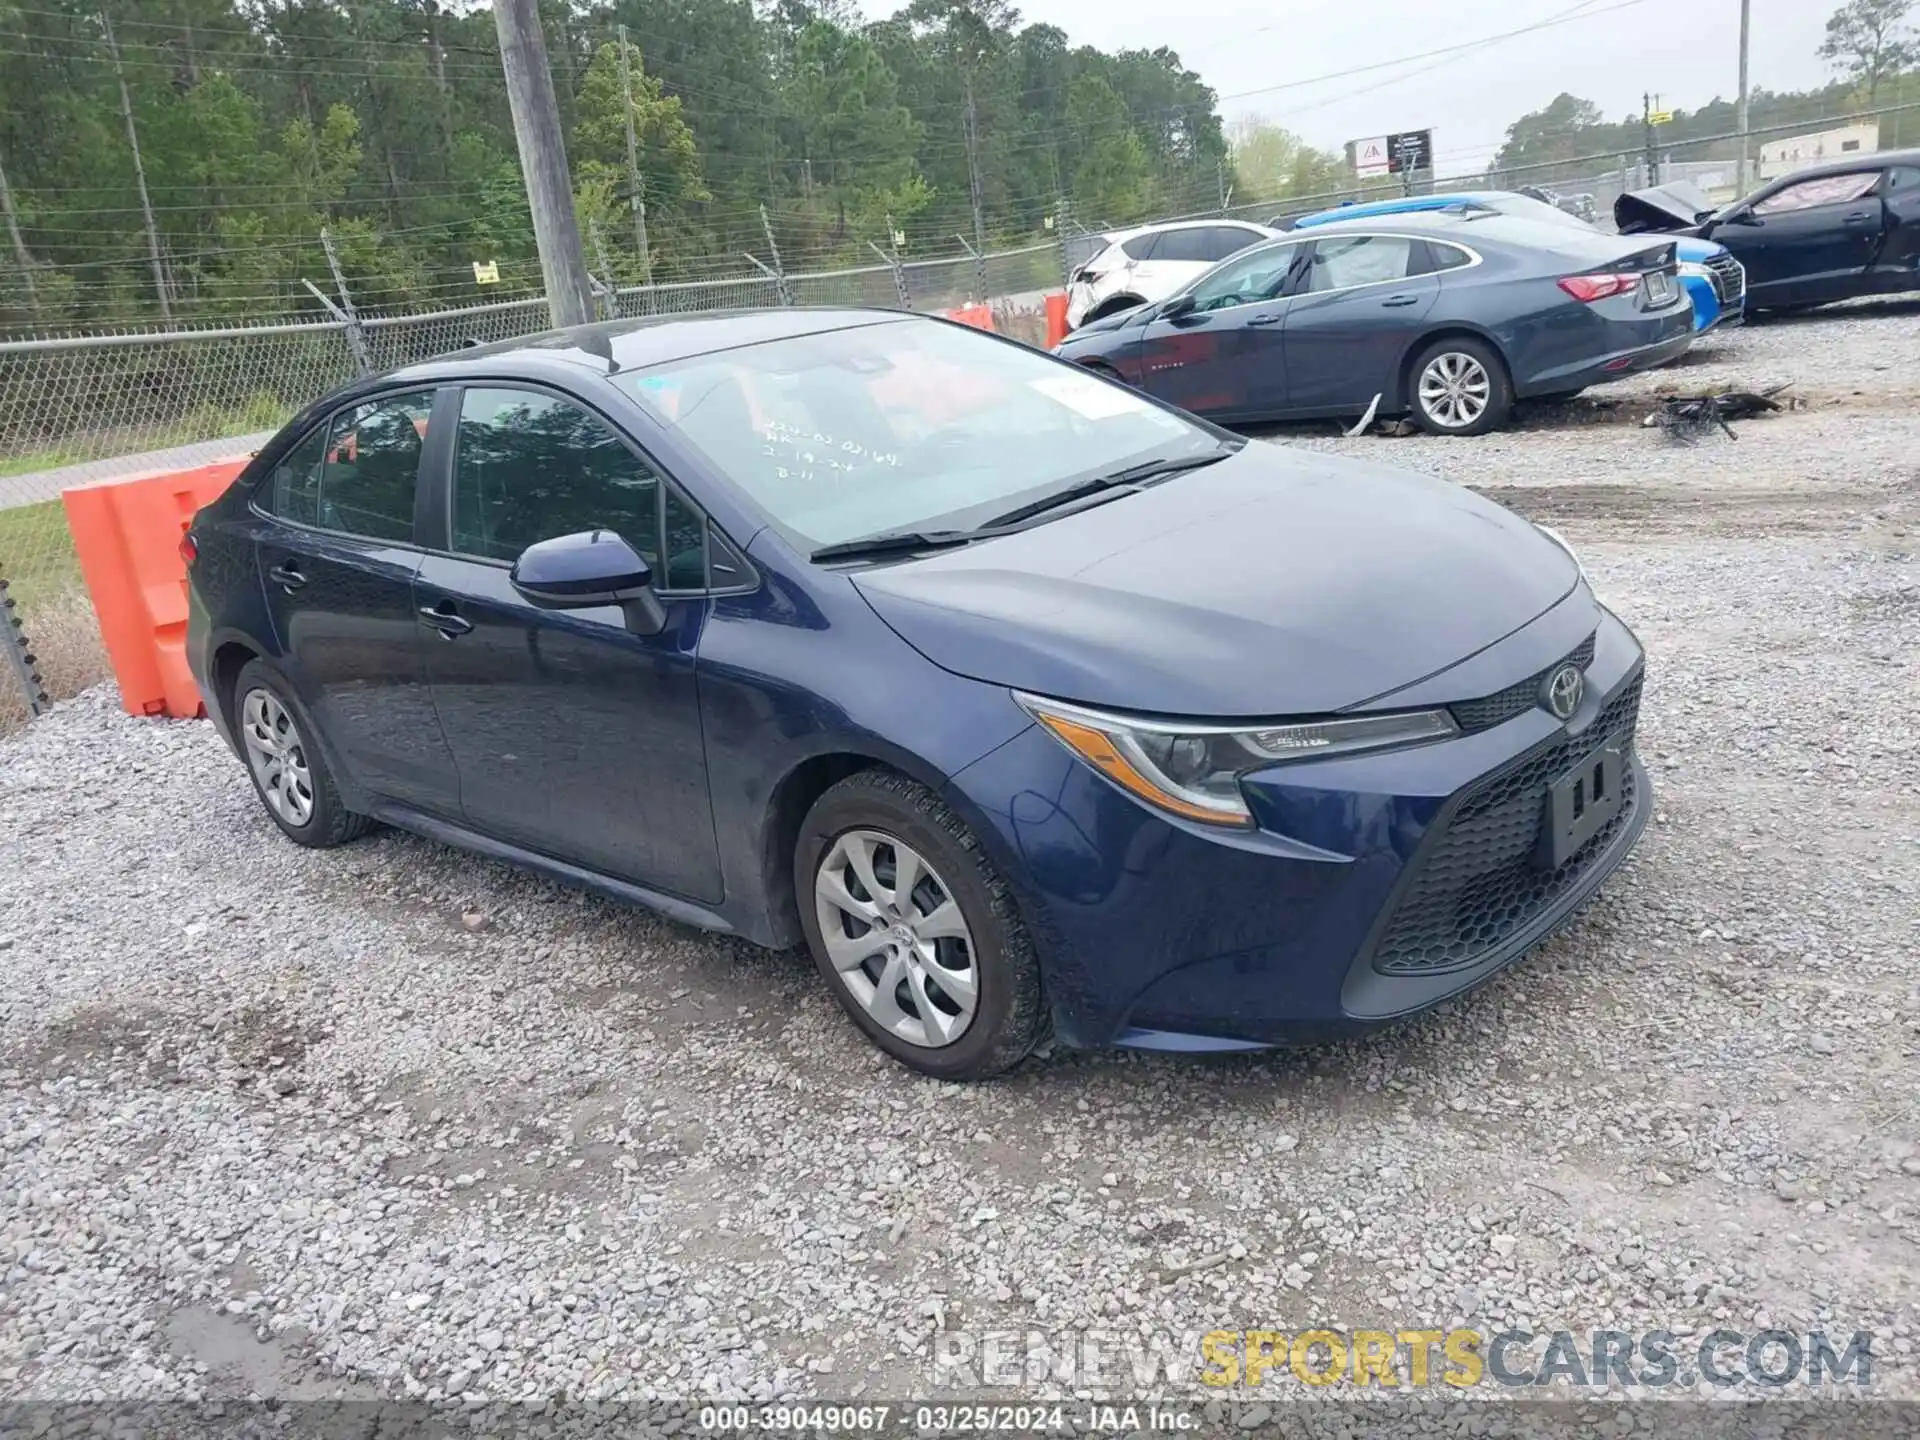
{"x": 1348, "y": 329}
{"x": 574, "y": 737}
{"x": 1225, "y": 356}
{"x": 337, "y": 567}
{"x": 1809, "y": 241}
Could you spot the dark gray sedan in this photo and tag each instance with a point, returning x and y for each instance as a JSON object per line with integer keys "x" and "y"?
{"x": 1448, "y": 318}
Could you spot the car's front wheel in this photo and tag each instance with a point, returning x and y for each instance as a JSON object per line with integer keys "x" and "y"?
{"x": 289, "y": 772}
{"x": 1460, "y": 387}
{"x": 915, "y": 931}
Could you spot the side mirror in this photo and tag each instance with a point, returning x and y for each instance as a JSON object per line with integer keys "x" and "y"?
{"x": 591, "y": 568}
{"x": 1740, "y": 217}
{"x": 1176, "y": 307}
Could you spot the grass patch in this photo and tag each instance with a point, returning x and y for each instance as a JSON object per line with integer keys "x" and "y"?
{"x": 259, "y": 411}
{"x": 36, "y": 556}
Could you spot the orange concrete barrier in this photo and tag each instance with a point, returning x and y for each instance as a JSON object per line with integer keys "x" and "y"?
{"x": 127, "y": 534}
{"x": 978, "y": 316}
{"x": 1056, "y": 318}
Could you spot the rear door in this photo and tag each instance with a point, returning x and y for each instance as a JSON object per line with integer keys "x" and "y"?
{"x": 1364, "y": 299}
{"x": 337, "y": 568}
{"x": 574, "y": 737}
{"x": 1897, "y": 266}
{"x": 1226, "y": 356}
{"x": 1809, "y": 241}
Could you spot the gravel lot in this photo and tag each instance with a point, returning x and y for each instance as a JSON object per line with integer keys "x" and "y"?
{"x": 393, "y": 1121}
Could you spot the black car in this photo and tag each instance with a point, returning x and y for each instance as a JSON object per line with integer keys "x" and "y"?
{"x": 1447, "y": 316}
{"x": 1830, "y": 232}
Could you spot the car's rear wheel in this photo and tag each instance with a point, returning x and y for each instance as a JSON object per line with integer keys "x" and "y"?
{"x": 915, "y": 931}
{"x": 1460, "y": 387}
{"x": 289, "y": 772}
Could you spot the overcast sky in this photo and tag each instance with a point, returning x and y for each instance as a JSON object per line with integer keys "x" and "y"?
{"x": 1686, "y": 51}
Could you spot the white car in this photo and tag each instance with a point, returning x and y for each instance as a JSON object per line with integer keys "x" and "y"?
{"x": 1153, "y": 261}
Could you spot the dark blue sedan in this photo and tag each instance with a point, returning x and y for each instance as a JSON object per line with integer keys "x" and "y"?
{"x": 1028, "y": 703}
{"x": 1448, "y": 318}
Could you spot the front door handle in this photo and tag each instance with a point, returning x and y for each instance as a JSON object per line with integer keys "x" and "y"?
{"x": 1858, "y": 217}
{"x": 1395, "y": 301}
{"x": 1263, "y": 319}
{"x": 287, "y": 576}
{"x": 445, "y": 621}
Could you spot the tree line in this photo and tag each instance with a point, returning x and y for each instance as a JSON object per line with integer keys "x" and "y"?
{"x": 258, "y": 122}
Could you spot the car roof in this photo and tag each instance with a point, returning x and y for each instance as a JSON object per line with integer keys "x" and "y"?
{"x": 1396, "y": 205}
{"x": 638, "y": 343}
{"x": 1847, "y": 164}
{"x": 1114, "y": 237}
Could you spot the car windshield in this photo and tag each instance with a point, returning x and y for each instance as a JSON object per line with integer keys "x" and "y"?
{"x": 904, "y": 425}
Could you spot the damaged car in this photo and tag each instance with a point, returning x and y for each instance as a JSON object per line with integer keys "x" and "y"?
{"x": 1830, "y": 232}
{"x": 1713, "y": 279}
{"x": 1446, "y": 318}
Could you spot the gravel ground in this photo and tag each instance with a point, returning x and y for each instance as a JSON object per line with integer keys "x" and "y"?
{"x": 394, "y": 1121}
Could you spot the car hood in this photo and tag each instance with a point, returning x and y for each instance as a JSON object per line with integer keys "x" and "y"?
{"x": 1276, "y": 582}
{"x": 1119, "y": 319}
{"x": 1676, "y": 206}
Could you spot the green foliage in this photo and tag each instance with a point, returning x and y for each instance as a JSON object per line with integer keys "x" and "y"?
{"x": 1869, "y": 40}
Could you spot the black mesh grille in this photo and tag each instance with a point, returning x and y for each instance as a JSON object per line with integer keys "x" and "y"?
{"x": 1477, "y": 882}
{"x": 1729, "y": 279}
{"x": 1516, "y": 699}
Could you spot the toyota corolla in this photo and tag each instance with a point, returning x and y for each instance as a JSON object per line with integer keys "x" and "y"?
{"x": 1027, "y": 703}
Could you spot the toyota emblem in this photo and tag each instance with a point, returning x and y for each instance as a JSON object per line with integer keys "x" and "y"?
{"x": 1563, "y": 691}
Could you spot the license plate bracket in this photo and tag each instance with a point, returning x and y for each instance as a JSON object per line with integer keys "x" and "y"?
{"x": 1659, "y": 288}
{"x": 1580, "y": 803}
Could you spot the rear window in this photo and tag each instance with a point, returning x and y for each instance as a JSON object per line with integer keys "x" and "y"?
{"x": 1140, "y": 247}
{"x": 1189, "y": 245}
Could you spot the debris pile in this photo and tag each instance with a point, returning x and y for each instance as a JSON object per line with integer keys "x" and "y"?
{"x": 1687, "y": 418}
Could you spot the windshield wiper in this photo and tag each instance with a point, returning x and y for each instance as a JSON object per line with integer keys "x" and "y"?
{"x": 892, "y": 542}
{"x": 1130, "y": 478}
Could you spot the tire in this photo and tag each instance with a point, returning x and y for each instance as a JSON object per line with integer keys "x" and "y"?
{"x": 275, "y": 734}
{"x": 1482, "y": 380}
{"x": 1113, "y": 307}
{"x": 872, "y": 818}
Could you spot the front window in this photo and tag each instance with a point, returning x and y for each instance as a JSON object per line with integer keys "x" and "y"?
{"x": 1821, "y": 190}
{"x": 904, "y": 425}
{"x": 1246, "y": 280}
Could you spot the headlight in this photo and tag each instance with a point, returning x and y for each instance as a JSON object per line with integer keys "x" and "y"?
{"x": 1574, "y": 555}
{"x": 1194, "y": 770}
{"x": 1695, "y": 269}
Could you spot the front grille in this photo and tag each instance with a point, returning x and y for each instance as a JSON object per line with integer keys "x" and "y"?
{"x": 1516, "y": 699}
{"x": 1729, "y": 278}
{"x": 1476, "y": 882}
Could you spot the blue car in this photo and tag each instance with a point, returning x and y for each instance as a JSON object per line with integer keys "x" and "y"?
{"x": 1715, "y": 282}
{"x": 1028, "y": 704}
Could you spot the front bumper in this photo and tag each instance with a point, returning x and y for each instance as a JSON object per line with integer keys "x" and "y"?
{"x": 1374, "y": 887}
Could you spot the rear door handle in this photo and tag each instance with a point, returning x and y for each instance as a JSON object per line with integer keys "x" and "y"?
{"x": 1263, "y": 319}
{"x": 1395, "y": 301}
{"x": 287, "y": 576}
{"x": 446, "y": 622}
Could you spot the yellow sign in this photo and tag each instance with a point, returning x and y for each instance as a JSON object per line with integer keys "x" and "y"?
{"x": 1660, "y": 117}
{"x": 487, "y": 274}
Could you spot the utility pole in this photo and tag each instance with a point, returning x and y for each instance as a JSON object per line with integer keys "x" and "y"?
{"x": 543, "y": 160}
{"x": 973, "y": 185}
{"x": 1740, "y": 108}
{"x": 139, "y": 172}
{"x": 20, "y": 255}
{"x": 636, "y": 192}
{"x": 1646, "y": 120}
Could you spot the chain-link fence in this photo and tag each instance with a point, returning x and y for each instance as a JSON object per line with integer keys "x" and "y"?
{"x": 78, "y": 409}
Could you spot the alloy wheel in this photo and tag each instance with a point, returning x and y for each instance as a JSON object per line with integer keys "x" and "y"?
{"x": 896, "y": 938}
{"x": 278, "y": 756}
{"x": 1455, "y": 390}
